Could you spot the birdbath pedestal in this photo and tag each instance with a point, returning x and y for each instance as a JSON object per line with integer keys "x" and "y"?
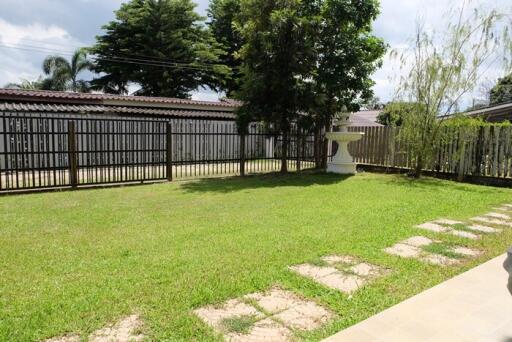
{"x": 342, "y": 162}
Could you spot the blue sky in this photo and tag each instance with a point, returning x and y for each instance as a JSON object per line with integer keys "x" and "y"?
{"x": 65, "y": 24}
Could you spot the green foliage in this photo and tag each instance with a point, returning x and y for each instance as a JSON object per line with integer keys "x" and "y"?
{"x": 277, "y": 55}
{"x": 223, "y": 14}
{"x": 442, "y": 249}
{"x": 63, "y": 74}
{"x": 502, "y": 91}
{"x": 394, "y": 112}
{"x": 309, "y": 57}
{"x": 441, "y": 71}
{"x": 152, "y": 33}
{"x": 347, "y": 53}
{"x": 239, "y": 324}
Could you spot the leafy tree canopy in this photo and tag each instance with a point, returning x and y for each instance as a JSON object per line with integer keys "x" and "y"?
{"x": 502, "y": 91}
{"x": 394, "y": 112}
{"x": 162, "y": 46}
{"x": 223, "y": 14}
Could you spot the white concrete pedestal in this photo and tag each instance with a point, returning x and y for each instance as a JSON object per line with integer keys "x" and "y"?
{"x": 342, "y": 162}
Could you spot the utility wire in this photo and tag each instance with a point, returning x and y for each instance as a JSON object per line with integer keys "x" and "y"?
{"x": 127, "y": 60}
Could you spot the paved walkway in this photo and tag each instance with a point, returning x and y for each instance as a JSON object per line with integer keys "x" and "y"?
{"x": 474, "y": 306}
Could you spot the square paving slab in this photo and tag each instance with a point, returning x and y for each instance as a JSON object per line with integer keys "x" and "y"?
{"x": 271, "y": 316}
{"x": 492, "y": 221}
{"x": 124, "y": 330}
{"x": 340, "y": 272}
{"x": 413, "y": 248}
{"x": 438, "y": 226}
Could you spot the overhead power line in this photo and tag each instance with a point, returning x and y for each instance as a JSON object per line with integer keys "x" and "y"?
{"x": 117, "y": 59}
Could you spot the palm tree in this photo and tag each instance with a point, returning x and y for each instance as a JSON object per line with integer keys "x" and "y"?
{"x": 63, "y": 75}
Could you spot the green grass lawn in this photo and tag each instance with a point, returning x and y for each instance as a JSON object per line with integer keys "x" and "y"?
{"x": 75, "y": 261}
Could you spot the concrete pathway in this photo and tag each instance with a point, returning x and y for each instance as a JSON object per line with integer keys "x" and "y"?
{"x": 474, "y": 306}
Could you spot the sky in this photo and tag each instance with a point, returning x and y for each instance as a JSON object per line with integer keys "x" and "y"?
{"x": 63, "y": 25}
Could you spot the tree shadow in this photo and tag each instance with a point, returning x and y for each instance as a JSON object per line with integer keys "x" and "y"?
{"x": 272, "y": 180}
{"x": 427, "y": 183}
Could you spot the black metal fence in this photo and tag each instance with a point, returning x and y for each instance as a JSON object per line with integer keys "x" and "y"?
{"x": 38, "y": 152}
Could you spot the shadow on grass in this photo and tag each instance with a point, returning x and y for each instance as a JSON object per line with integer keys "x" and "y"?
{"x": 428, "y": 183}
{"x": 272, "y": 180}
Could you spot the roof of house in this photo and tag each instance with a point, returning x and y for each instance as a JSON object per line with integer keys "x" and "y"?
{"x": 365, "y": 118}
{"x": 15, "y": 100}
{"x": 496, "y": 113}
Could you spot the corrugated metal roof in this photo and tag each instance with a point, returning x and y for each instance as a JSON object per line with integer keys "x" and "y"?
{"x": 101, "y": 109}
{"x": 42, "y": 95}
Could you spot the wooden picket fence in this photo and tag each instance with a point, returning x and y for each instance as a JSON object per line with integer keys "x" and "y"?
{"x": 480, "y": 151}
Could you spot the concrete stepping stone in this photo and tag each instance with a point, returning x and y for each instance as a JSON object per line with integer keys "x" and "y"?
{"x": 124, "y": 330}
{"x": 483, "y": 229}
{"x": 273, "y": 315}
{"x": 433, "y": 227}
{"x": 65, "y": 338}
{"x": 263, "y": 330}
{"x": 495, "y": 221}
{"x": 474, "y": 227}
{"x": 343, "y": 272}
{"x": 465, "y": 234}
{"x": 330, "y": 277}
{"x": 448, "y": 222}
{"x": 215, "y": 316}
{"x": 437, "y": 228}
{"x": 412, "y": 248}
{"x": 441, "y": 260}
{"x": 498, "y": 216}
{"x": 466, "y": 251}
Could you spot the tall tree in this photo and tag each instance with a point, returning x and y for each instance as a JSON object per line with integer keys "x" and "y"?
{"x": 440, "y": 71}
{"x": 347, "y": 55}
{"x": 276, "y": 59}
{"x": 160, "y": 45}
{"x": 223, "y": 14}
{"x": 502, "y": 91}
{"x": 63, "y": 74}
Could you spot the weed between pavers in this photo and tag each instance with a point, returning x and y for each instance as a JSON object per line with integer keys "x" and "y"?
{"x": 239, "y": 324}
{"x": 442, "y": 249}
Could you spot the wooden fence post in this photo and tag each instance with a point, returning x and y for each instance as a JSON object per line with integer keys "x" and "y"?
{"x": 462, "y": 154}
{"x": 298, "y": 145}
{"x": 168, "y": 151}
{"x": 72, "y": 156}
{"x": 242, "y": 154}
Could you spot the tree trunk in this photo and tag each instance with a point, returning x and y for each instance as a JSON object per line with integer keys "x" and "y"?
{"x": 419, "y": 167}
{"x": 317, "y": 148}
{"x": 284, "y": 152}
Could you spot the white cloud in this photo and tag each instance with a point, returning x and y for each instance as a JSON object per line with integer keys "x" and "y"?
{"x": 14, "y": 34}
{"x": 23, "y": 47}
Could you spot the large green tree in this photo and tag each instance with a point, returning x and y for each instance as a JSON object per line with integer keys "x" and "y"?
{"x": 223, "y": 14}
{"x": 502, "y": 91}
{"x": 160, "y": 45}
{"x": 347, "y": 55}
{"x": 63, "y": 74}
{"x": 277, "y": 57}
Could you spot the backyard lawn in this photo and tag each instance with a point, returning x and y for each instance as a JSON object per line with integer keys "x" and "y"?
{"x": 72, "y": 262}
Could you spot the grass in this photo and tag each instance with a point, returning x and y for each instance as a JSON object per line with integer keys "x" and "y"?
{"x": 72, "y": 262}
{"x": 442, "y": 249}
{"x": 239, "y": 324}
